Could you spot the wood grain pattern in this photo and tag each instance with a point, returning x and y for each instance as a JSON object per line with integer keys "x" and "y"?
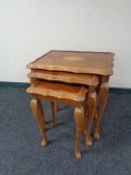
{"x": 78, "y": 62}
{"x": 103, "y": 94}
{"x": 79, "y": 121}
{"x": 53, "y": 110}
{"x": 64, "y": 92}
{"x": 67, "y": 77}
{"x": 59, "y": 90}
{"x": 40, "y": 117}
{"x": 91, "y": 107}
{"x": 82, "y": 68}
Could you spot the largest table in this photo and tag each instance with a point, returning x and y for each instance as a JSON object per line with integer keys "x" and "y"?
{"x": 97, "y": 63}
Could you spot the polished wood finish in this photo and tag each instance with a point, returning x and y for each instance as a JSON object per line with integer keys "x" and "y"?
{"x": 39, "y": 116}
{"x": 59, "y": 91}
{"x": 91, "y": 69}
{"x": 87, "y": 79}
{"x": 91, "y": 103}
{"x": 57, "y": 107}
{"x": 53, "y": 110}
{"x": 54, "y": 92}
{"x": 67, "y": 77}
{"x": 79, "y": 120}
{"x": 103, "y": 94}
{"x": 78, "y": 62}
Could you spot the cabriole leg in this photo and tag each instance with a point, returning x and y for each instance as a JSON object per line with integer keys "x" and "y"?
{"x": 53, "y": 109}
{"x": 104, "y": 90}
{"x": 40, "y": 117}
{"x": 91, "y": 102}
{"x": 79, "y": 119}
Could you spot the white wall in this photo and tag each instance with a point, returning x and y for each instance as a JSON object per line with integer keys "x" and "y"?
{"x": 29, "y": 28}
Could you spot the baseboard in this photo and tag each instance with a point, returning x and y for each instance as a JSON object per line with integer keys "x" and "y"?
{"x": 112, "y": 90}
{"x": 14, "y": 84}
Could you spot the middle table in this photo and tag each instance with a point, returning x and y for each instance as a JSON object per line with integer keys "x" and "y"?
{"x": 71, "y": 78}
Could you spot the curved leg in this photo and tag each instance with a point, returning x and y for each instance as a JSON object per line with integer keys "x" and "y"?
{"x": 79, "y": 119}
{"x": 40, "y": 118}
{"x": 95, "y": 115}
{"x": 53, "y": 109}
{"x": 97, "y": 99}
{"x": 91, "y": 111}
{"x": 104, "y": 89}
{"x": 85, "y": 118}
{"x": 57, "y": 107}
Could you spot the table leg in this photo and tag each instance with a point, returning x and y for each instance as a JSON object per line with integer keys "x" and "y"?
{"x": 91, "y": 102}
{"x": 104, "y": 89}
{"x": 40, "y": 118}
{"x": 53, "y": 109}
{"x": 57, "y": 107}
{"x": 97, "y": 99}
{"x": 79, "y": 119}
{"x": 85, "y": 118}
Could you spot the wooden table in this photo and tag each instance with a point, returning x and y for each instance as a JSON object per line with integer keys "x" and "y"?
{"x": 67, "y": 63}
{"x": 55, "y": 92}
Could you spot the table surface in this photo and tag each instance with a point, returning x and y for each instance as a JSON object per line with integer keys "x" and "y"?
{"x": 59, "y": 90}
{"x": 67, "y": 77}
{"x": 100, "y": 63}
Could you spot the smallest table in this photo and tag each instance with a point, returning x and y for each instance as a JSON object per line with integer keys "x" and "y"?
{"x": 59, "y": 92}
